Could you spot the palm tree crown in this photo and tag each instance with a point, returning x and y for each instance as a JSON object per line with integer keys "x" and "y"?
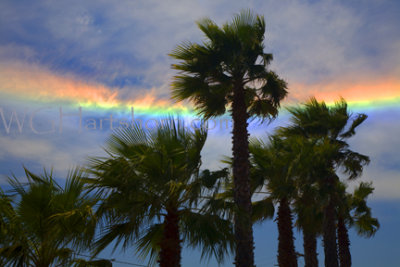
{"x": 44, "y": 221}
{"x": 150, "y": 184}
{"x": 232, "y": 57}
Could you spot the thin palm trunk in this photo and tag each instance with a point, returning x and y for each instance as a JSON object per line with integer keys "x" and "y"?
{"x": 170, "y": 253}
{"x": 344, "y": 244}
{"x": 329, "y": 229}
{"x": 286, "y": 252}
{"x": 310, "y": 249}
{"x": 242, "y": 195}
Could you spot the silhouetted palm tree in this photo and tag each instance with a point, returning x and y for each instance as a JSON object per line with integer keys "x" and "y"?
{"x": 309, "y": 220}
{"x": 307, "y": 204}
{"x": 230, "y": 70}
{"x": 151, "y": 187}
{"x": 354, "y": 211}
{"x": 314, "y": 156}
{"x": 274, "y": 166}
{"x": 315, "y": 120}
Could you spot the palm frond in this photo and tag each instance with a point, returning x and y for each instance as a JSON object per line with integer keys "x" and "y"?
{"x": 209, "y": 232}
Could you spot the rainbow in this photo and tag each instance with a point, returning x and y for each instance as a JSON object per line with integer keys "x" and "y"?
{"x": 33, "y": 84}
{"x": 364, "y": 95}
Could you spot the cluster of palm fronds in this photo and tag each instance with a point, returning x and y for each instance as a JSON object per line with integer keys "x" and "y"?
{"x": 149, "y": 192}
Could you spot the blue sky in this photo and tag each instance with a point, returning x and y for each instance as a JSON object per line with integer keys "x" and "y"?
{"x": 55, "y": 53}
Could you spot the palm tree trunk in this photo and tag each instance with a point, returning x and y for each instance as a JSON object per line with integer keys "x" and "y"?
{"x": 170, "y": 253}
{"x": 329, "y": 229}
{"x": 310, "y": 249}
{"x": 286, "y": 252}
{"x": 344, "y": 244}
{"x": 242, "y": 195}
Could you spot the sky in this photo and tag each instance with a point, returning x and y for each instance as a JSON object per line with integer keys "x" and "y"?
{"x": 72, "y": 71}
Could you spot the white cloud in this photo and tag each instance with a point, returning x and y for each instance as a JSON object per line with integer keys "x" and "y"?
{"x": 50, "y": 151}
{"x": 216, "y": 148}
{"x": 386, "y": 183}
{"x": 311, "y": 40}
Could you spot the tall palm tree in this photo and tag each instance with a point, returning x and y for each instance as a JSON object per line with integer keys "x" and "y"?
{"x": 354, "y": 211}
{"x": 44, "y": 222}
{"x": 274, "y": 166}
{"x": 306, "y": 205}
{"x": 314, "y": 155}
{"x": 150, "y": 186}
{"x": 229, "y": 70}
{"x": 337, "y": 124}
{"x": 287, "y": 166}
{"x": 309, "y": 220}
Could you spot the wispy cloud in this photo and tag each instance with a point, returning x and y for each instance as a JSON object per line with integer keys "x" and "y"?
{"x": 127, "y": 43}
{"x": 48, "y": 151}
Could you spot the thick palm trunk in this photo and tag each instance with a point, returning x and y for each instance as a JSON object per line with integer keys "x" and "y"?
{"x": 329, "y": 229}
{"x": 170, "y": 253}
{"x": 344, "y": 244}
{"x": 310, "y": 249}
{"x": 242, "y": 195}
{"x": 286, "y": 252}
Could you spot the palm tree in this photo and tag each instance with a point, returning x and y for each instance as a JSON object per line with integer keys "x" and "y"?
{"x": 314, "y": 155}
{"x": 287, "y": 167}
{"x": 150, "y": 186}
{"x": 274, "y": 166}
{"x": 354, "y": 211}
{"x": 230, "y": 70}
{"x": 306, "y": 205}
{"x": 309, "y": 220}
{"x": 43, "y": 221}
{"x": 317, "y": 120}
